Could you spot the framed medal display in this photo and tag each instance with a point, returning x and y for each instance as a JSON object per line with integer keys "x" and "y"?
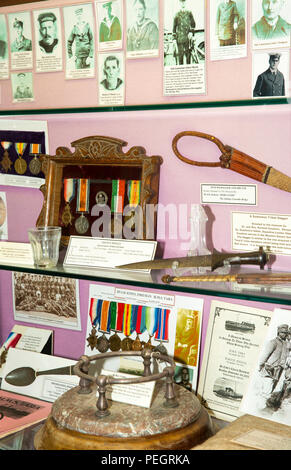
{"x": 100, "y": 191}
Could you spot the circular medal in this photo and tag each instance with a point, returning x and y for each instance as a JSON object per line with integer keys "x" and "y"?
{"x": 67, "y": 217}
{"x": 101, "y": 198}
{"x": 92, "y": 339}
{"x": 136, "y": 344}
{"x": 2, "y": 212}
{"x": 20, "y": 166}
{"x": 35, "y": 166}
{"x": 102, "y": 344}
{"x": 6, "y": 162}
{"x": 126, "y": 344}
{"x": 82, "y": 224}
{"x": 114, "y": 342}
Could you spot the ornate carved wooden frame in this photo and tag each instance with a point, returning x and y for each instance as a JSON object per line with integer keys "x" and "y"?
{"x": 97, "y": 151}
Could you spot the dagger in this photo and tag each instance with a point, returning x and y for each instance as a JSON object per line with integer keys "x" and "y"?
{"x": 235, "y": 160}
{"x": 215, "y": 260}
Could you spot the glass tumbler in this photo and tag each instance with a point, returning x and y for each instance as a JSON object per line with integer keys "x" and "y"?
{"x": 45, "y": 243}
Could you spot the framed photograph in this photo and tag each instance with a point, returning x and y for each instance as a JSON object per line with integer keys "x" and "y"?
{"x": 142, "y": 28}
{"x": 109, "y": 24}
{"x": 270, "y": 73}
{"x": 100, "y": 191}
{"x": 48, "y": 40}
{"x": 20, "y": 40}
{"x": 22, "y": 87}
{"x": 111, "y": 79}
{"x": 271, "y": 24}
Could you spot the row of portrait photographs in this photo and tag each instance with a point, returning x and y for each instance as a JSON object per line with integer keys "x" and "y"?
{"x": 76, "y": 29}
{"x": 111, "y": 81}
{"x": 269, "y": 28}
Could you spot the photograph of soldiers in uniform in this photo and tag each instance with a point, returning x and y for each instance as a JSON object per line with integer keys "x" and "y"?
{"x": 46, "y": 300}
{"x": 4, "y": 70}
{"x": 184, "y": 47}
{"x": 228, "y": 29}
{"x": 80, "y": 41}
{"x": 270, "y": 74}
{"x": 48, "y": 40}
{"x": 109, "y": 21}
{"x": 269, "y": 392}
{"x": 111, "y": 78}
{"x": 20, "y": 40}
{"x": 142, "y": 28}
{"x": 271, "y": 23}
{"x": 22, "y": 86}
{"x": 3, "y": 39}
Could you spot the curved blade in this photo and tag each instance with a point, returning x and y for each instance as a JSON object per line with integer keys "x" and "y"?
{"x": 187, "y": 261}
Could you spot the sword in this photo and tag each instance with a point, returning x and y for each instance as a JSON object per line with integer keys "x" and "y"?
{"x": 215, "y": 260}
{"x": 237, "y": 161}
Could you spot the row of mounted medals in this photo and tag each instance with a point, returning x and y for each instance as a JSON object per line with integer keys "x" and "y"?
{"x": 80, "y": 187}
{"x": 126, "y": 319}
{"x": 20, "y": 164}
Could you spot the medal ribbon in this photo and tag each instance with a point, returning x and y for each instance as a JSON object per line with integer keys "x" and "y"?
{"x": 127, "y": 319}
{"x": 5, "y": 144}
{"x": 151, "y": 320}
{"x": 162, "y": 329}
{"x": 35, "y": 149}
{"x": 113, "y": 315}
{"x": 140, "y": 321}
{"x": 105, "y": 317}
{"x": 119, "y": 319}
{"x": 133, "y": 320}
{"x": 69, "y": 189}
{"x": 117, "y": 198}
{"x": 12, "y": 340}
{"x": 95, "y": 311}
{"x": 133, "y": 192}
{"x": 83, "y": 195}
{"x": 20, "y": 147}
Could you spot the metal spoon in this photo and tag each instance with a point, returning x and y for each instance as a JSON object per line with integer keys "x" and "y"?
{"x": 24, "y": 376}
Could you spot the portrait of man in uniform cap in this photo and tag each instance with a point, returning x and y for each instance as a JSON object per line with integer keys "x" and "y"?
{"x": 20, "y": 43}
{"x": 48, "y": 32}
{"x": 271, "y": 82}
{"x": 183, "y": 31}
{"x": 81, "y": 37}
{"x": 271, "y": 25}
{"x": 110, "y": 28}
{"x": 22, "y": 90}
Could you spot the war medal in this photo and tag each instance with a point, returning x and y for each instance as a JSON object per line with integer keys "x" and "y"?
{"x": 69, "y": 194}
{"x": 126, "y": 343}
{"x": 20, "y": 165}
{"x": 94, "y": 314}
{"x": 117, "y": 204}
{"x": 116, "y": 319}
{"x": 162, "y": 330}
{"x": 103, "y": 342}
{"x": 35, "y": 164}
{"x": 6, "y": 162}
{"x": 140, "y": 327}
{"x": 82, "y": 223}
{"x": 151, "y": 321}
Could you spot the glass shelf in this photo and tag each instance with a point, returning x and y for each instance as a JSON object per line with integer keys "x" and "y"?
{"x": 148, "y": 107}
{"x": 279, "y": 294}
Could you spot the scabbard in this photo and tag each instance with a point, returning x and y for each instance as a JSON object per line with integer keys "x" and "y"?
{"x": 246, "y": 165}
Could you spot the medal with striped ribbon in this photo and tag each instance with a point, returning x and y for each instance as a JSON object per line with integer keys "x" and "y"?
{"x": 162, "y": 332}
{"x": 35, "y": 164}
{"x": 94, "y": 313}
{"x": 69, "y": 194}
{"x": 82, "y": 224}
{"x": 127, "y": 342}
{"x": 6, "y": 162}
{"x": 116, "y": 319}
{"x": 151, "y": 320}
{"x": 20, "y": 165}
{"x": 140, "y": 327}
{"x": 102, "y": 342}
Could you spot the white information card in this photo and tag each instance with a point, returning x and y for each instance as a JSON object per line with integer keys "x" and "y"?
{"x": 107, "y": 252}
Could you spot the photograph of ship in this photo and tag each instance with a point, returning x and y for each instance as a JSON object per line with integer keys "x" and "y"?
{"x": 224, "y": 388}
{"x": 243, "y": 326}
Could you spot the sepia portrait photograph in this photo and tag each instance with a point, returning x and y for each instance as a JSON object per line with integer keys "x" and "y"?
{"x": 20, "y": 40}
{"x": 109, "y": 24}
{"x": 3, "y": 39}
{"x": 271, "y": 23}
{"x": 79, "y": 41}
{"x": 48, "y": 40}
{"x": 269, "y": 390}
{"x": 270, "y": 74}
{"x": 111, "y": 78}
{"x": 142, "y": 28}
{"x": 22, "y": 87}
{"x": 228, "y": 29}
{"x": 46, "y": 300}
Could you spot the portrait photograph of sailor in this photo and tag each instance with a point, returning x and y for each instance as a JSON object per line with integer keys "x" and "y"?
{"x": 3, "y": 38}
{"x": 270, "y": 74}
{"x": 109, "y": 21}
{"x": 142, "y": 30}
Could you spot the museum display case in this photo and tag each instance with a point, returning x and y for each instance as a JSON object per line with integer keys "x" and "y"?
{"x": 244, "y": 209}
